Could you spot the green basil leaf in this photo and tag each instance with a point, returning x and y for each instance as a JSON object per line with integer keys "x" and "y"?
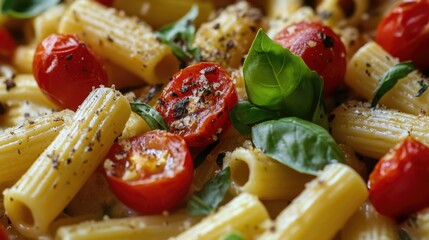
{"x": 280, "y": 81}
{"x": 179, "y": 36}
{"x": 150, "y": 115}
{"x": 299, "y": 144}
{"x": 208, "y": 198}
{"x": 244, "y": 114}
{"x": 25, "y": 8}
{"x": 319, "y": 116}
{"x": 390, "y": 78}
{"x": 233, "y": 236}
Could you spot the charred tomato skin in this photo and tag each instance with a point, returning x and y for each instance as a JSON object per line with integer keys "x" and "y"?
{"x": 162, "y": 180}
{"x": 66, "y": 70}
{"x": 196, "y": 103}
{"x": 321, "y": 49}
{"x": 399, "y": 182}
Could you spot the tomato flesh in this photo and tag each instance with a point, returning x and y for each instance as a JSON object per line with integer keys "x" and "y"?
{"x": 7, "y": 44}
{"x": 398, "y": 186}
{"x": 196, "y": 103}
{"x": 3, "y": 234}
{"x": 404, "y": 32}
{"x": 150, "y": 173}
{"x": 66, "y": 70}
{"x": 320, "y": 48}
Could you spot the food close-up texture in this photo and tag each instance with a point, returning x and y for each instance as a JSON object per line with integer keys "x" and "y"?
{"x": 208, "y": 119}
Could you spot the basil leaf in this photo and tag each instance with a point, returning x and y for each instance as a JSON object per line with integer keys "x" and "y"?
{"x": 280, "y": 81}
{"x": 390, "y": 78}
{"x": 180, "y": 35}
{"x": 150, "y": 115}
{"x": 25, "y": 8}
{"x": 208, "y": 198}
{"x": 246, "y": 113}
{"x": 233, "y": 236}
{"x": 299, "y": 144}
{"x": 403, "y": 235}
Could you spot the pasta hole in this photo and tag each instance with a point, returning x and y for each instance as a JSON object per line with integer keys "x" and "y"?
{"x": 23, "y": 214}
{"x": 165, "y": 68}
{"x": 239, "y": 172}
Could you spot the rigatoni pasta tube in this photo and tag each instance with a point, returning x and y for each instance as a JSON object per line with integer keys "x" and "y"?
{"x": 243, "y": 214}
{"x": 251, "y": 170}
{"x": 157, "y": 227}
{"x": 372, "y": 132}
{"x": 122, "y": 40}
{"x": 368, "y": 65}
{"x": 20, "y": 146}
{"x": 323, "y": 208}
{"x": 57, "y": 175}
{"x": 368, "y": 224}
{"x": 228, "y": 37}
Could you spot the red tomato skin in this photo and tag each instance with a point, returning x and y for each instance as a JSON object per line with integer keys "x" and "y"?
{"x": 198, "y": 122}
{"x": 66, "y": 70}
{"x": 3, "y": 234}
{"x": 7, "y": 44}
{"x": 399, "y": 183}
{"x": 107, "y": 3}
{"x": 404, "y": 32}
{"x": 157, "y": 192}
{"x": 320, "y": 48}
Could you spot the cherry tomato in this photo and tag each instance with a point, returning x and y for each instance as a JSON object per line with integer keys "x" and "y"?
{"x": 404, "y": 32}
{"x": 196, "y": 103}
{"x": 7, "y": 43}
{"x": 320, "y": 48}
{"x": 150, "y": 173}
{"x": 3, "y": 234}
{"x": 66, "y": 70}
{"x": 107, "y": 3}
{"x": 399, "y": 182}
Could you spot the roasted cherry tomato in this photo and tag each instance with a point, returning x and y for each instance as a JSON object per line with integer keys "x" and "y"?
{"x": 107, "y": 3}
{"x": 320, "y": 48}
{"x": 3, "y": 234}
{"x": 196, "y": 103}
{"x": 404, "y": 32}
{"x": 66, "y": 70}
{"x": 398, "y": 186}
{"x": 7, "y": 43}
{"x": 150, "y": 173}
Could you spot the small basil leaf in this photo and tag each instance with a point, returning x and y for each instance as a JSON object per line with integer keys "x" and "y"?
{"x": 319, "y": 116}
{"x": 403, "y": 235}
{"x": 244, "y": 114}
{"x": 280, "y": 81}
{"x": 233, "y": 236}
{"x": 25, "y": 8}
{"x": 150, "y": 115}
{"x": 390, "y": 78}
{"x": 208, "y": 198}
{"x": 180, "y": 35}
{"x": 299, "y": 144}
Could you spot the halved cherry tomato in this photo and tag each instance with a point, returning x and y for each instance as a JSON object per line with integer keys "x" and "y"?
{"x": 66, "y": 70}
{"x": 107, "y": 3}
{"x": 404, "y": 32}
{"x": 150, "y": 173}
{"x": 3, "y": 234}
{"x": 320, "y": 48}
{"x": 398, "y": 186}
{"x": 7, "y": 43}
{"x": 196, "y": 103}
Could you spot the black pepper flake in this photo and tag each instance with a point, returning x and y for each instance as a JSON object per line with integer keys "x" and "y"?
{"x": 69, "y": 57}
{"x": 2, "y": 109}
{"x": 98, "y": 135}
{"x": 219, "y": 159}
{"x": 368, "y": 64}
{"x": 55, "y": 162}
{"x": 216, "y": 26}
{"x": 230, "y": 44}
{"x": 328, "y": 41}
{"x": 9, "y": 83}
{"x": 367, "y": 73}
{"x": 88, "y": 148}
{"x": 110, "y": 39}
{"x": 210, "y": 69}
{"x": 423, "y": 87}
{"x": 68, "y": 161}
{"x": 174, "y": 94}
{"x": 184, "y": 89}
{"x": 180, "y": 109}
